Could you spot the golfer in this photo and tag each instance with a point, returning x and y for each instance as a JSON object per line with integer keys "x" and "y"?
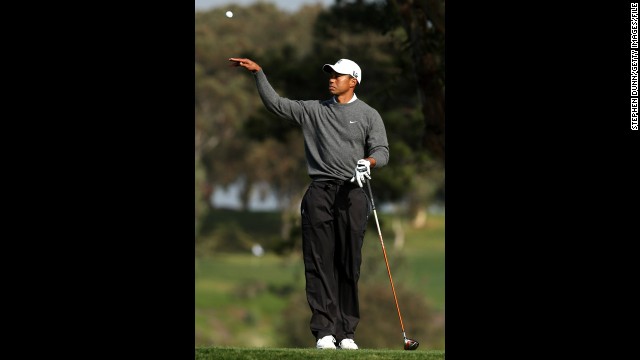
{"x": 343, "y": 139}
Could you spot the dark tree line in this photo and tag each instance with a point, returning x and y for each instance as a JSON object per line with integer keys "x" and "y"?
{"x": 399, "y": 44}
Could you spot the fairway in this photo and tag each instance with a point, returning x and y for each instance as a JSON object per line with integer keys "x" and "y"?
{"x": 241, "y": 298}
{"x": 228, "y": 353}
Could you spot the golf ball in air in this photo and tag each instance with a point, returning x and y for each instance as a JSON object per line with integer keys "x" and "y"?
{"x": 229, "y": 14}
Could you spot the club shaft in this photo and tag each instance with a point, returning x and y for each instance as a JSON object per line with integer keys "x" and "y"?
{"x": 386, "y": 261}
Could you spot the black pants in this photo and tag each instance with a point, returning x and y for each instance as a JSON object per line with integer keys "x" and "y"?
{"x": 334, "y": 219}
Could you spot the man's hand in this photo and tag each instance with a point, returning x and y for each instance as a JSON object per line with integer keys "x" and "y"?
{"x": 363, "y": 170}
{"x": 245, "y": 63}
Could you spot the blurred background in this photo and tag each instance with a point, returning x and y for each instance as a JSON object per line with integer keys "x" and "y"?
{"x": 250, "y": 170}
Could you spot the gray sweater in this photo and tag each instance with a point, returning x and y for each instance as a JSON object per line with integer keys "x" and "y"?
{"x": 336, "y": 135}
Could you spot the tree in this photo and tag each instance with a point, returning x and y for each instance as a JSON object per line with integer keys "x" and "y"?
{"x": 424, "y": 22}
{"x": 403, "y": 79}
{"x": 225, "y": 99}
{"x": 373, "y": 35}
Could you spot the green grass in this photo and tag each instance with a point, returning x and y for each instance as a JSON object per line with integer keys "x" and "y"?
{"x": 240, "y": 297}
{"x": 419, "y": 263}
{"x": 256, "y": 224}
{"x": 228, "y": 353}
{"x": 219, "y": 277}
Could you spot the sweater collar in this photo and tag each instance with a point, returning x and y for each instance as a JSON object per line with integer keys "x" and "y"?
{"x": 354, "y": 98}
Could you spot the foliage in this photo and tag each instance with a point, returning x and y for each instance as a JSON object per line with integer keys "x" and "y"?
{"x": 236, "y": 138}
{"x": 379, "y": 327}
{"x": 370, "y": 34}
{"x": 241, "y": 299}
{"x": 201, "y": 204}
{"x": 424, "y": 23}
{"x": 240, "y": 229}
{"x": 225, "y": 97}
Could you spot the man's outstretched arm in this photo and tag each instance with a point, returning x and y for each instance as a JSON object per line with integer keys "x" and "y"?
{"x": 245, "y": 63}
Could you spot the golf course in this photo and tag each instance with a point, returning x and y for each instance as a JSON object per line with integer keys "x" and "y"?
{"x": 244, "y": 301}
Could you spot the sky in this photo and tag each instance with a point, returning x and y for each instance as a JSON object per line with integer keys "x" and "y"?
{"x": 288, "y": 5}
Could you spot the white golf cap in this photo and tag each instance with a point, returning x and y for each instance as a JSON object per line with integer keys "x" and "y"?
{"x": 345, "y": 66}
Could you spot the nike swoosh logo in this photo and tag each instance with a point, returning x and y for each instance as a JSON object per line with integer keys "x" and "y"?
{"x": 352, "y": 122}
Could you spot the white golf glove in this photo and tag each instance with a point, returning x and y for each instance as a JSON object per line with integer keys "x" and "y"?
{"x": 362, "y": 171}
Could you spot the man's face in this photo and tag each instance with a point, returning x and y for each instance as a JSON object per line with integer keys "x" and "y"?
{"x": 340, "y": 83}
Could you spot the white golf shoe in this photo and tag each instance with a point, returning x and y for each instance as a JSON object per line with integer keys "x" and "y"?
{"x": 327, "y": 342}
{"x": 348, "y": 344}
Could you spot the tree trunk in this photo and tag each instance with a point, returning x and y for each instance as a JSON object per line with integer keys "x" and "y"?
{"x": 423, "y": 20}
{"x": 398, "y": 232}
{"x": 420, "y": 218}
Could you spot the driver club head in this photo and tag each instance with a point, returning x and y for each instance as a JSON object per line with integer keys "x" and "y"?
{"x": 410, "y": 344}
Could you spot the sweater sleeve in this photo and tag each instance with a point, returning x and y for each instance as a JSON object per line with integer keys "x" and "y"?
{"x": 377, "y": 144}
{"x": 282, "y": 107}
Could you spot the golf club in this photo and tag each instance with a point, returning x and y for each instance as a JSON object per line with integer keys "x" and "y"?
{"x": 409, "y": 344}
